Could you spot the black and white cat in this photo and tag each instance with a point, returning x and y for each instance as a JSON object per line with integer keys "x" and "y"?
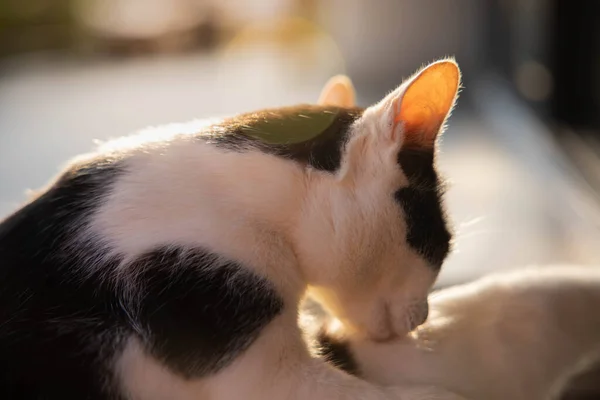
{"x": 519, "y": 335}
{"x": 170, "y": 264}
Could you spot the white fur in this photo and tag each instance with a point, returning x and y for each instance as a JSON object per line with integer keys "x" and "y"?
{"x": 277, "y": 366}
{"x": 519, "y": 335}
{"x": 342, "y": 235}
{"x": 303, "y": 226}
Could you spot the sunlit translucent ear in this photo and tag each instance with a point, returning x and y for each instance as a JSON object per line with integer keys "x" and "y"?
{"x": 338, "y": 92}
{"x": 426, "y": 102}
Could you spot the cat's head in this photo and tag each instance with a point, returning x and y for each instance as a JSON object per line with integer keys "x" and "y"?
{"x": 372, "y": 236}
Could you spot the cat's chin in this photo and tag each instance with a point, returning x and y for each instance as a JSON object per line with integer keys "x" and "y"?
{"x": 394, "y": 332}
{"x": 335, "y": 328}
{"x": 391, "y": 337}
{"x": 379, "y": 336}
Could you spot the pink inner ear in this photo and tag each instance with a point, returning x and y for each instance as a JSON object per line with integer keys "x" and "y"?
{"x": 426, "y": 103}
{"x": 338, "y": 92}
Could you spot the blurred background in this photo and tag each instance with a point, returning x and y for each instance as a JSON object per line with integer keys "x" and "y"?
{"x": 521, "y": 154}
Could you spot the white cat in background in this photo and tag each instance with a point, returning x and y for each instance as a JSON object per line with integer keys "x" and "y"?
{"x": 517, "y": 335}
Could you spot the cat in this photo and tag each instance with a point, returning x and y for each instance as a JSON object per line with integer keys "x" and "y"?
{"x": 519, "y": 335}
{"x": 170, "y": 264}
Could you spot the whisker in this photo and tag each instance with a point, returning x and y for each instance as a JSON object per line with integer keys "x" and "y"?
{"x": 476, "y": 233}
{"x": 472, "y": 221}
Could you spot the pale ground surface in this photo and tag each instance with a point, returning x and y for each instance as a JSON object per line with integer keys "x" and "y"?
{"x": 51, "y": 111}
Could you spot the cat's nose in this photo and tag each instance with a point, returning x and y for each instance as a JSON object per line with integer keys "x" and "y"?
{"x": 418, "y": 314}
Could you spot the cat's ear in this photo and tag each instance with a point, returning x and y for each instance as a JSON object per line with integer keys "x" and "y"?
{"x": 338, "y": 92}
{"x": 417, "y": 110}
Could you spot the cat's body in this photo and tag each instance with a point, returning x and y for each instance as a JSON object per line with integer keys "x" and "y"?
{"x": 518, "y": 335}
{"x": 171, "y": 265}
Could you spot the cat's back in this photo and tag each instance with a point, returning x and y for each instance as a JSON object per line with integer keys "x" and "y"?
{"x": 60, "y": 315}
{"x": 187, "y": 165}
{"x": 208, "y": 181}
{"x": 152, "y": 181}
{"x": 59, "y": 312}
{"x": 201, "y": 183}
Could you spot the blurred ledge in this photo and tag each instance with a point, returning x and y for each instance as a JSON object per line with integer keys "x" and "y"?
{"x": 534, "y": 147}
{"x": 527, "y": 203}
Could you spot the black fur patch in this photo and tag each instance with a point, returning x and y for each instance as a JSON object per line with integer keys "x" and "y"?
{"x": 60, "y": 330}
{"x": 336, "y": 352}
{"x": 198, "y": 313}
{"x": 308, "y": 134}
{"x": 426, "y": 229}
